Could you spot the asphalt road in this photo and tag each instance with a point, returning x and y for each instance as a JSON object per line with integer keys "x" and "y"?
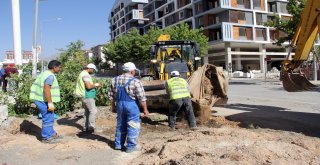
{"x": 265, "y": 104}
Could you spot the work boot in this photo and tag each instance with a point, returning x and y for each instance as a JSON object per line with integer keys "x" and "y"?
{"x": 194, "y": 128}
{"x": 50, "y": 140}
{"x": 57, "y": 136}
{"x": 136, "y": 148}
{"x": 172, "y": 128}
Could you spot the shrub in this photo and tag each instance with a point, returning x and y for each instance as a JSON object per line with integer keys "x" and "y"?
{"x": 67, "y": 82}
{"x": 102, "y": 92}
{"x": 21, "y": 93}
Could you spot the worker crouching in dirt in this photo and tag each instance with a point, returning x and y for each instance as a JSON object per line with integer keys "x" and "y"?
{"x": 124, "y": 90}
{"x": 179, "y": 92}
{"x": 45, "y": 91}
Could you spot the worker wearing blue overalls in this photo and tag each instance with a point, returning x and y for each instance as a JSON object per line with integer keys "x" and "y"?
{"x": 45, "y": 91}
{"x": 124, "y": 91}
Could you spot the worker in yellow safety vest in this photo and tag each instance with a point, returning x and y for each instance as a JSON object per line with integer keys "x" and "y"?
{"x": 45, "y": 91}
{"x": 86, "y": 90}
{"x": 179, "y": 92}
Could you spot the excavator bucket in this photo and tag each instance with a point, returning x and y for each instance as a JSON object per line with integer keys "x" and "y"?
{"x": 294, "y": 82}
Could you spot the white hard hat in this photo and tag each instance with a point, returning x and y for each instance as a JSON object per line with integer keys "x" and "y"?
{"x": 175, "y": 73}
{"x": 129, "y": 66}
{"x": 92, "y": 66}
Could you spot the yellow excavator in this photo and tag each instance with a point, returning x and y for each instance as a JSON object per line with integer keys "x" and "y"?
{"x": 302, "y": 41}
{"x": 208, "y": 83}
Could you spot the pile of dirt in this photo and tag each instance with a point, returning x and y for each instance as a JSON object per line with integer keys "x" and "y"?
{"x": 228, "y": 145}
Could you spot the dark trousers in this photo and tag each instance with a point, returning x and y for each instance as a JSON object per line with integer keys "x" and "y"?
{"x": 4, "y": 85}
{"x": 175, "y": 106}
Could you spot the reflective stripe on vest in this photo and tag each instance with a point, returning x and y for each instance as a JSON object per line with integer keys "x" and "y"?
{"x": 37, "y": 88}
{"x": 178, "y": 88}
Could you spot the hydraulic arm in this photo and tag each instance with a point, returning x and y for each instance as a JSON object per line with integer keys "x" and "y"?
{"x": 303, "y": 40}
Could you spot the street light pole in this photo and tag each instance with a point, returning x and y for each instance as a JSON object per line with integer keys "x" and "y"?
{"x": 34, "y": 48}
{"x": 41, "y": 36}
{"x": 16, "y": 31}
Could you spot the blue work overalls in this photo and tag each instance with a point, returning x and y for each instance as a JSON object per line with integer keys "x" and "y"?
{"x": 47, "y": 130}
{"x": 128, "y": 118}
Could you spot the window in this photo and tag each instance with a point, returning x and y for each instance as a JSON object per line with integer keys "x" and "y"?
{"x": 242, "y": 32}
{"x": 260, "y": 34}
{"x": 241, "y": 16}
{"x": 166, "y": 10}
{"x": 283, "y": 8}
{"x": 217, "y": 20}
{"x": 240, "y": 2}
{"x": 200, "y": 21}
{"x": 181, "y": 14}
{"x": 259, "y": 19}
{"x": 256, "y": 4}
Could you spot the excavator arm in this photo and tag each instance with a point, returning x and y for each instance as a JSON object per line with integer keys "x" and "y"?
{"x": 303, "y": 40}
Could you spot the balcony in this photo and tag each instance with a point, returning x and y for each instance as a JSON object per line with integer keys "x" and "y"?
{"x": 232, "y": 32}
{"x": 182, "y": 3}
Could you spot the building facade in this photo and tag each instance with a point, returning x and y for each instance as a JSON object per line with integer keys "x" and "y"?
{"x": 126, "y": 14}
{"x": 26, "y": 57}
{"x": 97, "y": 52}
{"x": 238, "y": 39}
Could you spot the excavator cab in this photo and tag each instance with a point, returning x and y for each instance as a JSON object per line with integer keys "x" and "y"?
{"x": 167, "y": 56}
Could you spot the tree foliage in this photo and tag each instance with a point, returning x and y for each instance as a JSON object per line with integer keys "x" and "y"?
{"x": 71, "y": 68}
{"x": 74, "y": 52}
{"x": 294, "y": 7}
{"x": 183, "y": 32}
{"x": 130, "y": 47}
{"x": 135, "y": 47}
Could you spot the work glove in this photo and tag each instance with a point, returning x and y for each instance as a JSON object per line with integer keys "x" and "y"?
{"x": 50, "y": 107}
{"x": 97, "y": 84}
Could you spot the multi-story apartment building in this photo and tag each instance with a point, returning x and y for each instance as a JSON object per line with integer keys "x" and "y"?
{"x": 97, "y": 52}
{"x": 238, "y": 39}
{"x": 126, "y": 14}
{"x": 26, "y": 57}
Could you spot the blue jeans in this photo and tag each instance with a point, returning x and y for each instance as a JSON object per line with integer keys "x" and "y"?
{"x": 47, "y": 130}
{"x": 128, "y": 124}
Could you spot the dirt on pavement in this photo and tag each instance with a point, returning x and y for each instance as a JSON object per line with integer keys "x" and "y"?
{"x": 217, "y": 142}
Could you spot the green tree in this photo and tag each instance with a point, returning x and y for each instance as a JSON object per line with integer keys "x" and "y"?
{"x": 129, "y": 47}
{"x": 184, "y": 32}
{"x": 294, "y": 7}
{"x": 74, "y": 52}
{"x": 135, "y": 47}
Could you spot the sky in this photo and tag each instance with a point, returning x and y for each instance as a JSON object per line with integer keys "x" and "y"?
{"x": 60, "y": 22}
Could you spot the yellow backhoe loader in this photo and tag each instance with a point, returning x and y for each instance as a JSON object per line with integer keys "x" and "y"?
{"x": 302, "y": 41}
{"x": 207, "y": 82}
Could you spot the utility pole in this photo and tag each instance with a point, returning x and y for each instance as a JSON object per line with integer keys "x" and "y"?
{"x": 315, "y": 66}
{"x": 16, "y": 32}
{"x": 34, "y": 47}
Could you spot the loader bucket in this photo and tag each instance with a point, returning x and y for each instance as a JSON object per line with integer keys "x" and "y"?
{"x": 294, "y": 82}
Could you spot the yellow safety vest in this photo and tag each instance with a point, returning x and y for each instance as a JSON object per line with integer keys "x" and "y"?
{"x": 37, "y": 88}
{"x": 178, "y": 88}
